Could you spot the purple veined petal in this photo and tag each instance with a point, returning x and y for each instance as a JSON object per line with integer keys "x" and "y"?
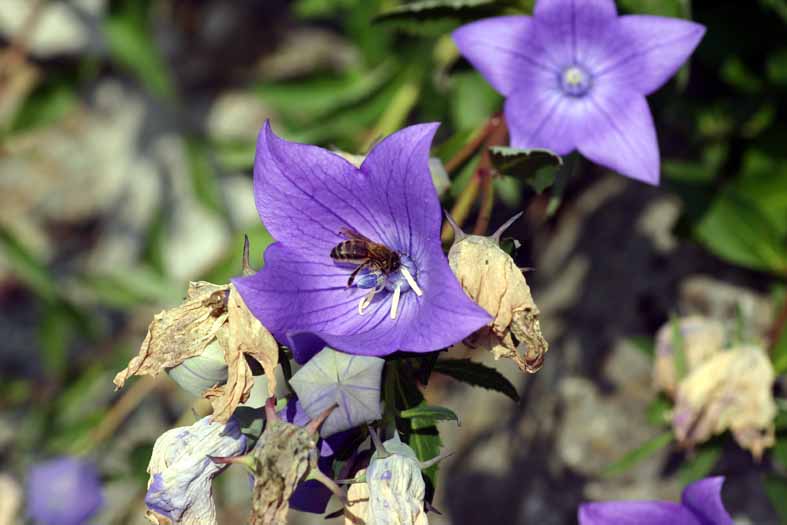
{"x": 649, "y": 51}
{"x": 703, "y": 498}
{"x": 574, "y": 31}
{"x": 541, "y": 116}
{"x": 505, "y": 51}
{"x": 617, "y": 131}
{"x": 635, "y": 513}
{"x": 63, "y": 491}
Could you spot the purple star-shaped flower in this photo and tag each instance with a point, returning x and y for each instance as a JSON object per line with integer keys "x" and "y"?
{"x": 311, "y": 200}
{"x": 575, "y": 76}
{"x": 63, "y": 491}
{"x": 700, "y": 505}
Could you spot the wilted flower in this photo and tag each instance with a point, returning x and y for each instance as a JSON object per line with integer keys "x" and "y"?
{"x": 699, "y": 338}
{"x": 211, "y": 315}
{"x": 731, "y": 390}
{"x": 700, "y": 505}
{"x": 492, "y": 279}
{"x": 575, "y": 76}
{"x": 350, "y": 381}
{"x": 63, "y": 491}
{"x": 181, "y": 471}
{"x": 311, "y": 200}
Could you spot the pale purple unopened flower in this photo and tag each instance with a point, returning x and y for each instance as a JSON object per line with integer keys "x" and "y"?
{"x": 575, "y": 77}
{"x": 700, "y": 505}
{"x": 311, "y": 200}
{"x": 182, "y": 471}
{"x": 63, "y": 491}
{"x": 311, "y": 495}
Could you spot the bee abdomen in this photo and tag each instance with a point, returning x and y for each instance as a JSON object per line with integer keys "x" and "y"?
{"x": 350, "y": 251}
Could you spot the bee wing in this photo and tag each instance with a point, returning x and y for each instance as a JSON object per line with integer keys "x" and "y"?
{"x": 353, "y": 235}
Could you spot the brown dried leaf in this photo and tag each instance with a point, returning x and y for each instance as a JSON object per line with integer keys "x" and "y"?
{"x": 731, "y": 390}
{"x": 180, "y": 332}
{"x": 491, "y": 278}
{"x": 244, "y": 335}
{"x": 701, "y": 336}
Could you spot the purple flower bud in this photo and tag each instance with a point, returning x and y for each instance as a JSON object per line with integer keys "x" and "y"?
{"x": 63, "y": 491}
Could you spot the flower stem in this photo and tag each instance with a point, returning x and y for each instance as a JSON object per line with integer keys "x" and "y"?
{"x": 395, "y": 115}
{"x": 462, "y": 206}
{"x": 473, "y": 144}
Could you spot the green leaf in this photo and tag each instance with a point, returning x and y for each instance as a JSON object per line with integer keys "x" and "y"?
{"x": 24, "y": 265}
{"x": 644, "y": 344}
{"x": 700, "y": 465}
{"x": 776, "y": 489}
{"x": 537, "y": 167}
{"x": 425, "y": 415}
{"x": 433, "y": 10}
{"x": 780, "y": 451}
{"x": 472, "y": 100}
{"x": 658, "y": 411}
{"x": 476, "y": 374}
{"x": 639, "y": 454}
{"x": 737, "y": 230}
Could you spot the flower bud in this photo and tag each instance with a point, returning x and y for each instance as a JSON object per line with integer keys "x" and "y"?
{"x": 731, "y": 390}
{"x": 63, "y": 491}
{"x": 181, "y": 472}
{"x": 699, "y": 337}
{"x": 199, "y": 373}
{"x": 492, "y": 279}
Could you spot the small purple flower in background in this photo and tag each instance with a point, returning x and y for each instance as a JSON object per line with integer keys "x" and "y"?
{"x": 575, "y": 76}
{"x": 63, "y": 491}
{"x": 311, "y": 495}
{"x": 311, "y": 201}
{"x": 700, "y": 505}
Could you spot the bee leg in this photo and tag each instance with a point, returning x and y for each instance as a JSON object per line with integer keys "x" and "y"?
{"x": 354, "y": 274}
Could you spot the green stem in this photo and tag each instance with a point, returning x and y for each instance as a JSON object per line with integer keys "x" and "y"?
{"x": 395, "y": 115}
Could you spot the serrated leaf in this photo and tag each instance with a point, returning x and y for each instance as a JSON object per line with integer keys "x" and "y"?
{"x": 435, "y": 9}
{"x": 536, "y": 167}
{"x": 476, "y": 374}
{"x": 426, "y": 444}
{"x": 639, "y": 454}
{"x": 425, "y": 415}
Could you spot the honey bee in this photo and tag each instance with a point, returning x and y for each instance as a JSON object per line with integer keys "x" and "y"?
{"x": 360, "y": 250}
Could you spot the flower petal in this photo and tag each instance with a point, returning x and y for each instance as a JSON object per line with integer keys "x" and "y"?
{"x": 543, "y": 117}
{"x": 321, "y": 310}
{"x": 649, "y": 51}
{"x": 63, "y": 491}
{"x": 617, "y": 132}
{"x": 703, "y": 497}
{"x": 575, "y": 31}
{"x": 505, "y": 51}
{"x": 635, "y": 513}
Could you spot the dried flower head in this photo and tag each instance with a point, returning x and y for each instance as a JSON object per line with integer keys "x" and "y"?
{"x": 492, "y": 279}
{"x": 575, "y": 76}
{"x": 350, "y": 381}
{"x": 729, "y": 391}
{"x": 181, "y": 473}
{"x": 211, "y": 314}
{"x": 328, "y": 217}
{"x": 698, "y": 337}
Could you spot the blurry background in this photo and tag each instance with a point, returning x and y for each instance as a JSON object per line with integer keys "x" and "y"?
{"x": 127, "y": 134}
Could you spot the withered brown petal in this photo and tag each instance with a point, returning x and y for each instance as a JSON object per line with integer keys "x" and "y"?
{"x": 357, "y": 510}
{"x": 179, "y": 333}
{"x": 492, "y": 279}
{"x": 244, "y": 335}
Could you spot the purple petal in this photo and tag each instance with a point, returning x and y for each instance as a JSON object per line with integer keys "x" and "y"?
{"x": 543, "y": 117}
{"x": 63, "y": 491}
{"x": 505, "y": 51}
{"x": 617, "y": 132}
{"x": 703, "y": 497}
{"x": 649, "y": 51}
{"x": 575, "y": 31}
{"x": 635, "y": 513}
{"x": 321, "y": 310}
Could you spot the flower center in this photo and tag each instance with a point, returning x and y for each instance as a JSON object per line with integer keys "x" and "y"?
{"x": 398, "y": 282}
{"x": 575, "y": 81}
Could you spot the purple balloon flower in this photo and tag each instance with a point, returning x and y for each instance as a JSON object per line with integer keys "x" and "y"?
{"x": 700, "y": 505}
{"x": 311, "y": 200}
{"x": 575, "y": 76}
{"x": 63, "y": 491}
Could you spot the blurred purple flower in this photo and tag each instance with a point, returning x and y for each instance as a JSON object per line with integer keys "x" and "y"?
{"x": 311, "y": 495}
{"x": 306, "y": 197}
{"x": 700, "y": 505}
{"x": 575, "y": 76}
{"x": 63, "y": 491}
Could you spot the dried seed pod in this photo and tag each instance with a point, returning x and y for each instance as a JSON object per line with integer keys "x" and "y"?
{"x": 700, "y": 338}
{"x": 729, "y": 391}
{"x": 492, "y": 279}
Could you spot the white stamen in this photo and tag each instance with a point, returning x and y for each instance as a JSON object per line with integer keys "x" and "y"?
{"x": 409, "y": 278}
{"x": 395, "y": 301}
{"x": 366, "y": 300}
